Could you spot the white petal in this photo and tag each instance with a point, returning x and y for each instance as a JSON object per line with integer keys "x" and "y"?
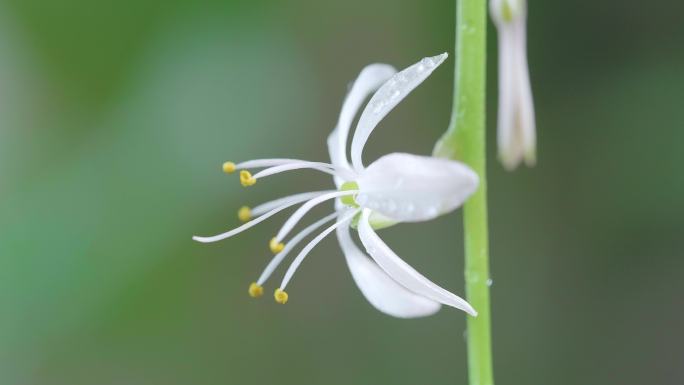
{"x": 386, "y": 98}
{"x": 401, "y": 272}
{"x": 411, "y": 188}
{"x": 370, "y": 78}
{"x": 379, "y": 289}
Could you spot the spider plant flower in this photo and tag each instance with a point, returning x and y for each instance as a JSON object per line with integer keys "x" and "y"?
{"x": 395, "y": 188}
{"x": 516, "y": 122}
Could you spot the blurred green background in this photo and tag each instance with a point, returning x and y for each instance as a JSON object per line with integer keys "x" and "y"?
{"x": 116, "y": 116}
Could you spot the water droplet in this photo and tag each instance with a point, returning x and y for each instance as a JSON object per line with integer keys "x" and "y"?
{"x": 395, "y": 94}
{"x": 490, "y": 282}
{"x": 431, "y": 211}
{"x": 391, "y": 206}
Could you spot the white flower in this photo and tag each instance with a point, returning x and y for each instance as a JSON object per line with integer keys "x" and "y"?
{"x": 516, "y": 125}
{"x": 395, "y": 188}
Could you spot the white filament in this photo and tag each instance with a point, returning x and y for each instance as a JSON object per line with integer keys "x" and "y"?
{"x": 259, "y": 163}
{"x": 305, "y": 208}
{"x": 307, "y": 249}
{"x": 278, "y": 258}
{"x": 324, "y": 167}
{"x": 301, "y": 197}
{"x": 251, "y": 223}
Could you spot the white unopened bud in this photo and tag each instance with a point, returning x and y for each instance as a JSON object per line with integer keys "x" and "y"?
{"x": 516, "y": 122}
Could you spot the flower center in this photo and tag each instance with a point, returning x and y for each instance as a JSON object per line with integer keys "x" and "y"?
{"x": 349, "y": 200}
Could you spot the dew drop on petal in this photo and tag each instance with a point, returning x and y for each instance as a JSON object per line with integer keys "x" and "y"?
{"x": 391, "y": 205}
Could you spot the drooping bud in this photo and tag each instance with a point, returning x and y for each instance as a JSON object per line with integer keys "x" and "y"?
{"x": 516, "y": 121}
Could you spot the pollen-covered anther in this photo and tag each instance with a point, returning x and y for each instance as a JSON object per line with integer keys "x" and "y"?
{"x": 229, "y": 167}
{"x": 275, "y": 246}
{"x": 245, "y": 214}
{"x": 246, "y": 178}
{"x": 255, "y": 290}
{"x": 280, "y": 296}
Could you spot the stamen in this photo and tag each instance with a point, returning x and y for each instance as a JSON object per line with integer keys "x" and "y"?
{"x": 251, "y": 223}
{"x": 255, "y": 290}
{"x": 280, "y": 296}
{"x": 275, "y": 262}
{"x": 305, "y": 208}
{"x": 246, "y": 178}
{"x": 324, "y": 167}
{"x": 260, "y": 163}
{"x": 244, "y": 214}
{"x": 275, "y": 246}
{"x": 268, "y": 206}
{"x": 229, "y": 167}
{"x": 307, "y": 249}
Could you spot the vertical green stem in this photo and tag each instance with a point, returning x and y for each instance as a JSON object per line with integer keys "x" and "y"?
{"x": 465, "y": 141}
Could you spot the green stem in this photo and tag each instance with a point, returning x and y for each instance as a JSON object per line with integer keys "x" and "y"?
{"x": 465, "y": 141}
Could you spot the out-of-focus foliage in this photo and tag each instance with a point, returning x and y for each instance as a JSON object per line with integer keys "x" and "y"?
{"x": 116, "y": 116}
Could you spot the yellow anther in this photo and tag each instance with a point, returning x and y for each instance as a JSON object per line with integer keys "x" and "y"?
{"x": 229, "y": 167}
{"x": 245, "y": 213}
{"x": 246, "y": 178}
{"x": 280, "y": 296}
{"x": 276, "y": 247}
{"x": 255, "y": 290}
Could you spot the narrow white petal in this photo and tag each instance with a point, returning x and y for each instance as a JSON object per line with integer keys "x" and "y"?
{"x": 297, "y": 198}
{"x": 370, "y": 78}
{"x": 386, "y": 98}
{"x": 305, "y": 208}
{"x": 384, "y": 293}
{"x": 411, "y": 188}
{"x": 307, "y": 249}
{"x": 278, "y": 258}
{"x": 291, "y": 201}
{"x": 401, "y": 272}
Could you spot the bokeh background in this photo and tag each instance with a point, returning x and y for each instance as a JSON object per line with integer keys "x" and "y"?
{"x": 116, "y": 116}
